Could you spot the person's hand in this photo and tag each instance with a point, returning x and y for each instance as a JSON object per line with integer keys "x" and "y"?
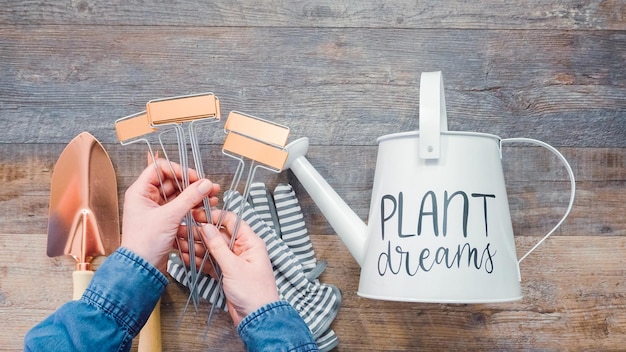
{"x": 248, "y": 277}
{"x": 149, "y": 224}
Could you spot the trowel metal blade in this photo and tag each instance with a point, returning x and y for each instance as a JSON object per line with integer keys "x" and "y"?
{"x": 84, "y": 216}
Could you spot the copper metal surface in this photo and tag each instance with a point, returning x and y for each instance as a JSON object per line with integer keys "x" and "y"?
{"x": 183, "y": 109}
{"x": 262, "y": 153}
{"x": 83, "y": 219}
{"x": 133, "y": 126}
{"x": 257, "y": 128}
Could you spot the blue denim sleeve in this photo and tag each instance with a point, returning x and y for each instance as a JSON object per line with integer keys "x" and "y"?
{"x": 111, "y": 312}
{"x": 276, "y": 327}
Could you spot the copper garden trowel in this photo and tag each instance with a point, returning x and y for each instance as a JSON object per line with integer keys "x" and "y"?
{"x": 84, "y": 218}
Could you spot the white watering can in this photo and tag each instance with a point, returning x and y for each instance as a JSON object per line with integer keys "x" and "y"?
{"x": 439, "y": 223}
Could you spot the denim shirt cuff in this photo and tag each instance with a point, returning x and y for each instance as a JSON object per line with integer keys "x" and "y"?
{"x": 276, "y": 326}
{"x": 127, "y": 288}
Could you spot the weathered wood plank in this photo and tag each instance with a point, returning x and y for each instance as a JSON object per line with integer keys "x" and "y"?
{"x": 341, "y": 73}
{"x": 572, "y": 286}
{"x": 336, "y": 86}
{"x": 537, "y": 184}
{"x": 590, "y": 14}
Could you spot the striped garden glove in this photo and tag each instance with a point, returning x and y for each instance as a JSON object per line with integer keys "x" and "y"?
{"x": 295, "y": 268}
{"x": 282, "y": 213}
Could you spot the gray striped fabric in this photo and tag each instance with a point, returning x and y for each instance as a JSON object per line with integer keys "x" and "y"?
{"x": 316, "y": 303}
{"x": 283, "y": 214}
{"x": 292, "y": 226}
{"x": 207, "y": 287}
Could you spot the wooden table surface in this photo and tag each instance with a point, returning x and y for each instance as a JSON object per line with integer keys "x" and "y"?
{"x": 341, "y": 73}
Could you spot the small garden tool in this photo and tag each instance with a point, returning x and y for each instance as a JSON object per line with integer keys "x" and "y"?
{"x": 83, "y": 221}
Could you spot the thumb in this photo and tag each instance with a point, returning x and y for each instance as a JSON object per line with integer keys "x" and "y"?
{"x": 217, "y": 246}
{"x": 189, "y": 198}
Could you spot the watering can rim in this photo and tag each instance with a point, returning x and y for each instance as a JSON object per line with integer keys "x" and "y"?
{"x": 445, "y": 133}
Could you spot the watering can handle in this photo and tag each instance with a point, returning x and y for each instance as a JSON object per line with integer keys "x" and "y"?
{"x": 432, "y": 114}
{"x": 571, "y": 178}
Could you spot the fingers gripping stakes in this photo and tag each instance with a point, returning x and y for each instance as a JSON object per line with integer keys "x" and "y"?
{"x": 317, "y": 303}
{"x": 170, "y": 114}
{"x": 276, "y": 218}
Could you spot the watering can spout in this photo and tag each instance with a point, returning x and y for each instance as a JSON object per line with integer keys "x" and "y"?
{"x": 348, "y": 225}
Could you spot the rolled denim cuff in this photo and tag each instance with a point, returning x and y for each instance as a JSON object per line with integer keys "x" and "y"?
{"x": 127, "y": 288}
{"x": 276, "y": 327}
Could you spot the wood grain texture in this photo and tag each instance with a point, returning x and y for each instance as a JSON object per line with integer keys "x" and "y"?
{"x": 341, "y": 73}
{"x": 573, "y": 300}
{"x": 362, "y": 83}
{"x": 490, "y": 14}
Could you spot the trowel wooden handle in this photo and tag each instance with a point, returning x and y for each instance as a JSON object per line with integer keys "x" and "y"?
{"x": 150, "y": 334}
{"x": 81, "y": 279}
